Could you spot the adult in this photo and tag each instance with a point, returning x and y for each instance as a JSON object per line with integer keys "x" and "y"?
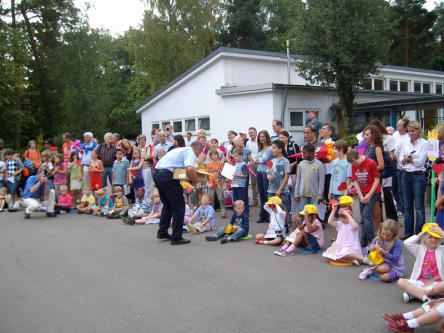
{"x": 2, "y": 149}
{"x": 127, "y": 149}
{"x": 401, "y": 137}
{"x": 116, "y": 139}
{"x": 171, "y": 192}
{"x": 50, "y": 148}
{"x": 214, "y": 145}
{"x": 413, "y": 155}
{"x": 162, "y": 145}
{"x": 188, "y": 139}
{"x": 243, "y": 135}
{"x": 310, "y": 137}
{"x": 145, "y": 152}
{"x": 253, "y": 147}
{"x": 313, "y": 121}
{"x": 290, "y": 149}
{"x": 277, "y": 128}
{"x": 263, "y": 156}
{"x": 107, "y": 154}
{"x": 169, "y": 133}
{"x": 37, "y": 187}
{"x": 229, "y": 144}
{"x": 85, "y": 154}
{"x": 178, "y": 142}
{"x": 66, "y": 147}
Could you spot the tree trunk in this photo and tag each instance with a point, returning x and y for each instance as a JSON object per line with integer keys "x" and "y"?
{"x": 17, "y": 95}
{"x": 407, "y": 46}
{"x": 346, "y": 100}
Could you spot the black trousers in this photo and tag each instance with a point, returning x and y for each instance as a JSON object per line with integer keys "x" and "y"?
{"x": 171, "y": 195}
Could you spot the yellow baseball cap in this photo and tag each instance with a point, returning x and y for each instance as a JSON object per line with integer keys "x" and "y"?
{"x": 277, "y": 199}
{"x": 311, "y": 209}
{"x": 426, "y": 228}
{"x": 345, "y": 200}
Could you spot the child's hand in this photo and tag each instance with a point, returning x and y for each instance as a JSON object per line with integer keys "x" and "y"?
{"x": 437, "y": 230}
{"x": 335, "y": 206}
{"x": 372, "y": 247}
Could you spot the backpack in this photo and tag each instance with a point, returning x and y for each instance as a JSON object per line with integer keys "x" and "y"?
{"x": 29, "y": 169}
{"x": 389, "y": 164}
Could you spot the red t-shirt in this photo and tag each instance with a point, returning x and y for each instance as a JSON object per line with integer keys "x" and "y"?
{"x": 66, "y": 148}
{"x": 365, "y": 174}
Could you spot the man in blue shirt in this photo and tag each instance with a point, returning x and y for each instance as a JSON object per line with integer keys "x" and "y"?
{"x": 171, "y": 192}
{"x": 35, "y": 187}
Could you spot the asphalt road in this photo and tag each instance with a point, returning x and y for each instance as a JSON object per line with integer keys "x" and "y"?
{"x": 80, "y": 273}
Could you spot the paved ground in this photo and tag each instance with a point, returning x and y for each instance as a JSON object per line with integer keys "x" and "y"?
{"x": 81, "y": 273}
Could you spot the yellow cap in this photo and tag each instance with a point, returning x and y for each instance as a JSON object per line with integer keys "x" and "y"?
{"x": 375, "y": 257}
{"x": 426, "y": 228}
{"x": 311, "y": 209}
{"x": 272, "y": 199}
{"x": 345, "y": 200}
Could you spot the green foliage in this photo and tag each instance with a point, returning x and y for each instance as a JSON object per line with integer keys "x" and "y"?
{"x": 351, "y": 140}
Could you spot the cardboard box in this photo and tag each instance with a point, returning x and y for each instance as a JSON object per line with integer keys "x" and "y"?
{"x": 181, "y": 174}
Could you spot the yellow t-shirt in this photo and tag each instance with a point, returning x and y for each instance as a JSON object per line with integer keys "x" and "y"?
{"x": 90, "y": 199}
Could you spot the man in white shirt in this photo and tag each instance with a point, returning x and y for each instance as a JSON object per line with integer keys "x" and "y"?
{"x": 401, "y": 137}
{"x": 252, "y": 145}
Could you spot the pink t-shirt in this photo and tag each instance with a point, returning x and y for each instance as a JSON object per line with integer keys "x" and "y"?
{"x": 65, "y": 200}
{"x": 60, "y": 178}
{"x": 318, "y": 234}
{"x": 429, "y": 268}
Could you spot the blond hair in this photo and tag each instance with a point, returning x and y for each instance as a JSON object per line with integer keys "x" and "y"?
{"x": 239, "y": 203}
{"x": 100, "y": 192}
{"x": 388, "y": 225}
{"x": 118, "y": 189}
{"x": 154, "y": 195}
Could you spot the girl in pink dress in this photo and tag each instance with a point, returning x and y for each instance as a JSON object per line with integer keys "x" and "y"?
{"x": 346, "y": 248}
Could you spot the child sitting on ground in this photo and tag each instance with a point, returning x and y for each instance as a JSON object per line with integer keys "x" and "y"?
{"x": 308, "y": 235}
{"x": 205, "y": 216}
{"x": 87, "y": 202}
{"x": 120, "y": 208}
{"x": 64, "y": 204}
{"x": 238, "y": 227}
{"x": 156, "y": 211}
{"x": 5, "y": 198}
{"x": 276, "y": 228}
{"x": 346, "y": 248}
{"x": 389, "y": 248}
{"x": 426, "y": 278}
{"x": 141, "y": 208}
{"x": 104, "y": 203}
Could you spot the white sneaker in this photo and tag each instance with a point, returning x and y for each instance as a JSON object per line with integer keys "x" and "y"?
{"x": 406, "y": 296}
{"x": 366, "y": 261}
{"x": 355, "y": 262}
{"x": 365, "y": 273}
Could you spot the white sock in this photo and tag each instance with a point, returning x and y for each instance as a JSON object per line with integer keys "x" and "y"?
{"x": 413, "y": 323}
{"x": 408, "y": 316}
{"x": 425, "y": 299}
{"x": 265, "y": 242}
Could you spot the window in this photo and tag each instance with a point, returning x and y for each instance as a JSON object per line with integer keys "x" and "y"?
{"x": 177, "y": 126}
{"x": 367, "y": 84}
{"x": 426, "y": 87}
{"x": 296, "y": 118}
{"x": 204, "y": 123}
{"x": 156, "y": 126}
{"x": 403, "y": 86}
{"x": 439, "y": 88}
{"x": 190, "y": 125}
{"x": 393, "y": 85}
{"x": 417, "y": 87}
{"x": 164, "y": 123}
{"x": 378, "y": 84}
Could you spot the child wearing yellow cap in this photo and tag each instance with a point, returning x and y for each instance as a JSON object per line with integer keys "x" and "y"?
{"x": 276, "y": 229}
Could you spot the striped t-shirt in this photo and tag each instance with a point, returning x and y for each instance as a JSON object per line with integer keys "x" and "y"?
{"x": 240, "y": 168}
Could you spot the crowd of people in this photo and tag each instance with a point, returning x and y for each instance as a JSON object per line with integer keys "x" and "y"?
{"x": 299, "y": 194}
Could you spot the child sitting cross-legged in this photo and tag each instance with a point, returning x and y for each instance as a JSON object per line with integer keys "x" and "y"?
{"x": 141, "y": 208}
{"x": 86, "y": 202}
{"x": 64, "y": 204}
{"x": 238, "y": 227}
{"x": 5, "y": 198}
{"x": 120, "y": 208}
{"x": 426, "y": 278}
{"x": 276, "y": 229}
{"x": 308, "y": 235}
{"x": 205, "y": 216}
{"x": 388, "y": 248}
{"x": 156, "y": 211}
{"x": 104, "y": 203}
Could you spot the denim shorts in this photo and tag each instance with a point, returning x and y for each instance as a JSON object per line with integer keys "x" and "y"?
{"x": 12, "y": 187}
{"x": 313, "y": 244}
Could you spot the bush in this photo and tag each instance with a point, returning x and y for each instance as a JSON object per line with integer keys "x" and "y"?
{"x": 351, "y": 140}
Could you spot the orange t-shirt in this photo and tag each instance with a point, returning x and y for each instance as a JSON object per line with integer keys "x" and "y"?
{"x": 34, "y": 156}
{"x": 214, "y": 169}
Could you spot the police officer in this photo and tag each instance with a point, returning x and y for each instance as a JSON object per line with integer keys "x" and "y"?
{"x": 171, "y": 192}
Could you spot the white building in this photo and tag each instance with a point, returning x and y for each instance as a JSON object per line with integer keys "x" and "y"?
{"x": 237, "y": 88}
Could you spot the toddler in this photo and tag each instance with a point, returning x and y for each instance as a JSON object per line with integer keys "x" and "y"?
{"x": 276, "y": 228}
{"x": 141, "y": 208}
{"x": 156, "y": 211}
{"x": 308, "y": 235}
{"x": 238, "y": 227}
{"x": 120, "y": 204}
{"x": 4, "y": 198}
{"x": 64, "y": 204}
{"x": 104, "y": 203}
{"x": 389, "y": 247}
{"x": 205, "y": 214}
{"x": 87, "y": 202}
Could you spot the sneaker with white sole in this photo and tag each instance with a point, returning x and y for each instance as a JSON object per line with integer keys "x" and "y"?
{"x": 355, "y": 262}
{"x": 367, "y": 262}
{"x": 365, "y": 273}
{"x": 192, "y": 229}
{"x": 407, "y": 297}
{"x": 400, "y": 214}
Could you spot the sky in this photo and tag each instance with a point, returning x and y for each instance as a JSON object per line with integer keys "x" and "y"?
{"x": 117, "y": 16}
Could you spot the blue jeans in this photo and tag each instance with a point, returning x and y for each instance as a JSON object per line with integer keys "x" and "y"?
{"x": 262, "y": 188}
{"x": 235, "y": 237}
{"x": 240, "y": 193}
{"x": 107, "y": 171}
{"x": 413, "y": 188}
{"x": 368, "y": 228}
{"x": 305, "y": 201}
{"x": 397, "y": 191}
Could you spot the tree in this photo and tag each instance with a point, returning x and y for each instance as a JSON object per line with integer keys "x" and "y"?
{"x": 341, "y": 42}
{"x": 437, "y": 62}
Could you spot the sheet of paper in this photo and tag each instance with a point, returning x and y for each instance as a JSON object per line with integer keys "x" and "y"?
{"x": 228, "y": 171}
{"x": 11, "y": 179}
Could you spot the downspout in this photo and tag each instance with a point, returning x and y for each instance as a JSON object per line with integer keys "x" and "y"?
{"x": 284, "y": 104}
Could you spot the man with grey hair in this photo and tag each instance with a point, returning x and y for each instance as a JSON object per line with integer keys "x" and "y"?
{"x": 116, "y": 138}
{"x": 85, "y": 154}
{"x": 164, "y": 144}
{"x": 107, "y": 154}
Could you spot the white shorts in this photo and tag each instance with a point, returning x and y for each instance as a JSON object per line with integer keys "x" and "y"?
{"x": 420, "y": 284}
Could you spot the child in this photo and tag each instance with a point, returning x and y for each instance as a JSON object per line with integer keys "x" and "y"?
{"x": 33, "y": 154}
{"x": 309, "y": 234}
{"x": 426, "y": 277}
{"x": 278, "y": 175}
{"x": 59, "y": 173}
{"x": 309, "y": 188}
{"x": 365, "y": 176}
{"x": 214, "y": 168}
{"x": 2, "y": 173}
{"x": 120, "y": 204}
{"x": 188, "y": 214}
{"x": 120, "y": 170}
{"x": 95, "y": 171}
{"x": 389, "y": 247}
{"x": 141, "y": 208}
{"x": 205, "y": 215}
{"x": 341, "y": 170}
{"x": 276, "y": 228}
{"x": 239, "y": 183}
{"x": 346, "y": 248}
{"x": 87, "y": 202}
{"x": 238, "y": 227}
{"x": 47, "y": 164}
{"x": 104, "y": 203}
{"x": 154, "y": 216}
{"x": 64, "y": 204}
{"x": 135, "y": 171}
{"x": 4, "y": 198}
{"x": 14, "y": 169}
{"x": 75, "y": 175}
